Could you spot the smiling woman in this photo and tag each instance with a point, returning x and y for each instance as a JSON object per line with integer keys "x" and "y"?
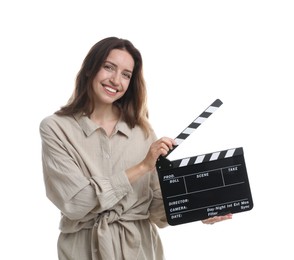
{"x": 113, "y": 63}
{"x": 109, "y": 85}
{"x": 99, "y": 155}
{"x": 113, "y": 78}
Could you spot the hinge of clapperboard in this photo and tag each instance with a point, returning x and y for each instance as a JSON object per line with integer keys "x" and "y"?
{"x": 162, "y": 162}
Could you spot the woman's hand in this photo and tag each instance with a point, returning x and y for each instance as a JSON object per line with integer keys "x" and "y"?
{"x": 216, "y": 219}
{"x": 159, "y": 147}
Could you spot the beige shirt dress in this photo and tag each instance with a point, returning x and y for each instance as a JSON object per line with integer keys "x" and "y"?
{"x": 103, "y": 216}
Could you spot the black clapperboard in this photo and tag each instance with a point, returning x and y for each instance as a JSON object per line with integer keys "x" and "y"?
{"x": 204, "y": 186}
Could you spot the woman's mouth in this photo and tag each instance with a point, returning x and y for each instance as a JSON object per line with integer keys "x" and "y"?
{"x": 110, "y": 90}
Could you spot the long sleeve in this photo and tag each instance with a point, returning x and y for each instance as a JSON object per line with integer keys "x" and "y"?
{"x": 104, "y": 216}
{"x": 69, "y": 185}
{"x": 156, "y": 209}
{"x": 157, "y": 212}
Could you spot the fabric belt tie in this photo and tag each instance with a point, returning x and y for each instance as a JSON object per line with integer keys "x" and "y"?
{"x": 102, "y": 240}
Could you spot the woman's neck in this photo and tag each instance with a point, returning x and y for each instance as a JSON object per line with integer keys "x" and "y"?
{"x": 106, "y": 117}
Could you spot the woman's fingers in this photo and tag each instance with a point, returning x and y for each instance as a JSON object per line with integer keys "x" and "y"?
{"x": 159, "y": 147}
{"x": 166, "y": 144}
{"x": 217, "y": 219}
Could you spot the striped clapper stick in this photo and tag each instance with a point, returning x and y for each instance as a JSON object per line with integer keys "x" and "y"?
{"x": 204, "y": 186}
{"x": 196, "y": 123}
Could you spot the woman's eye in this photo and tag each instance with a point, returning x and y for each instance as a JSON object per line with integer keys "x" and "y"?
{"x": 127, "y": 75}
{"x": 108, "y": 67}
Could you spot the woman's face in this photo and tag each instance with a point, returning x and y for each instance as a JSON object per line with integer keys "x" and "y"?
{"x": 112, "y": 80}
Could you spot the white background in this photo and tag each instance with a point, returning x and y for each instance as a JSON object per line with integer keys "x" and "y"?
{"x": 194, "y": 52}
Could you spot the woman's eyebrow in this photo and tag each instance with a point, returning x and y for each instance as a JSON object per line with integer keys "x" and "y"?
{"x": 113, "y": 64}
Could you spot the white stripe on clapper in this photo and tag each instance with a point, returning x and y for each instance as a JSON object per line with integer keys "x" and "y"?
{"x": 230, "y": 153}
{"x": 214, "y": 156}
{"x": 188, "y": 130}
{"x": 199, "y": 159}
{"x": 179, "y": 141}
{"x": 184, "y": 162}
{"x": 200, "y": 120}
{"x": 211, "y": 109}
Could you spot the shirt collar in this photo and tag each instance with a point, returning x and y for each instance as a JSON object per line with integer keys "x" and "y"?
{"x": 89, "y": 127}
{"x": 123, "y": 128}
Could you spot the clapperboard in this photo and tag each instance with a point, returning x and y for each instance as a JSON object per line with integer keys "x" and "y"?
{"x": 204, "y": 186}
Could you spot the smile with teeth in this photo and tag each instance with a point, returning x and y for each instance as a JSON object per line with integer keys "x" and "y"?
{"x": 112, "y": 90}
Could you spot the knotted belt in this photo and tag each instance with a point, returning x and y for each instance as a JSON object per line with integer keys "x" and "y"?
{"x": 102, "y": 240}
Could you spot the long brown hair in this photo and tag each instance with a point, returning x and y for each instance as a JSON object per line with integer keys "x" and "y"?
{"x": 133, "y": 103}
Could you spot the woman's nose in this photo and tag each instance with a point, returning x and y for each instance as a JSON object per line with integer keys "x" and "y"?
{"x": 115, "y": 79}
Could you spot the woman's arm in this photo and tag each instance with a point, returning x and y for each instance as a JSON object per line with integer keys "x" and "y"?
{"x": 68, "y": 187}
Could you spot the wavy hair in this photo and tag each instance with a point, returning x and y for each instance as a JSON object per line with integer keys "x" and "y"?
{"x": 133, "y": 103}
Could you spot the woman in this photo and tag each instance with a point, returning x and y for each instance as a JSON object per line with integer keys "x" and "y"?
{"x": 99, "y": 154}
